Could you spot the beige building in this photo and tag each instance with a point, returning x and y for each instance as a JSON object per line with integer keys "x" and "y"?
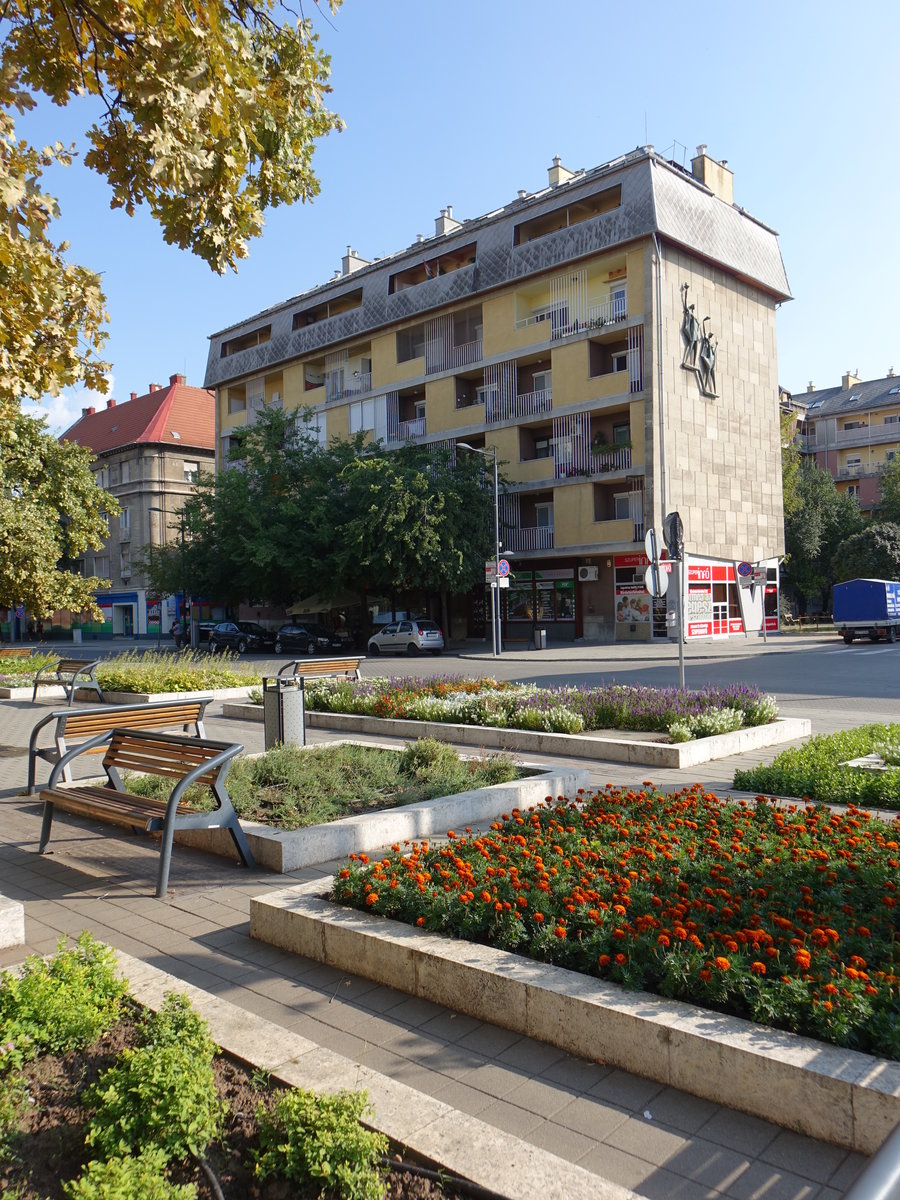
{"x": 149, "y": 452}
{"x": 612, "y": 335}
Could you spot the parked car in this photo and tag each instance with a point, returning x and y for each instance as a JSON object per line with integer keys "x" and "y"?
{"x": 205, "y": 628}
{"x": 410, "y": 637}
{"x": 307, "y": 639}
{"x": 240, "y": 636}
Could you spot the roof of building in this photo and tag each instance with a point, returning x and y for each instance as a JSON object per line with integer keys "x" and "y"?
{"x": 861, "y": 396}
{"x": 173, "y": 415}
{"x": 657, "y": 197}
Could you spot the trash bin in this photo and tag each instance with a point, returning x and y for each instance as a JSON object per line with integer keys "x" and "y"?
{"x": 540, "y": 639}
{"x": 284, "y": 711}
{"x": 76, "y": 635}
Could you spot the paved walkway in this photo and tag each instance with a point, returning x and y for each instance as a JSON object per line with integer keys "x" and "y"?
{"x": 658, "y": 1141}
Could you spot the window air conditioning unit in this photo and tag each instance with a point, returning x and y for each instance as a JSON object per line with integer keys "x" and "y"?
{"x": 587, "y": 574}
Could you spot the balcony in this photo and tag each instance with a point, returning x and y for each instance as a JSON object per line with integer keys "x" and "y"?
{"x": 508, "y": 408}
{"x": 533, "y": 537}
{"x": 587, "y": 463}
{"x": 339, "y": 386}
{"x": 565, "y": 321}
{"x": 408, "y": 430}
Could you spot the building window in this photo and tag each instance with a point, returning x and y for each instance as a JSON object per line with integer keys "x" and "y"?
{"x": 853, "y": 489}
{"x": 543, "y": 447}
{"x": 126, "y": 472}
{"x": 101, "y": 566}
{"x": 623, "y": 506}
{"x": 102, "y": 478}
{"x": 125, "y": 522}
{"x": 246, "y": 341}
{"x": 125, "y": 563}
{"x": 237, "y": 399}
{"x": 362, "y": 417}
{"x": 191, "y": 471}
{"x": 892, "y": 419}
{"x": 411, "y": 343}
{"x": 543, "y": 516}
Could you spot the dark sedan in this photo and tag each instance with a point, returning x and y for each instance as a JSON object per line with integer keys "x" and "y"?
{"x": 306, "y": 639}
{"x": 240, "y": 636}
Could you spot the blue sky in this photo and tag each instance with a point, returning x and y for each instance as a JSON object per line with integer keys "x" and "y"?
{"x": 466, "y": 103}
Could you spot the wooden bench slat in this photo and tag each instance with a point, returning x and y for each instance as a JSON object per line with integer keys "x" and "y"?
{"x": 138, "y": 717}
{"x": 117, "y": 808}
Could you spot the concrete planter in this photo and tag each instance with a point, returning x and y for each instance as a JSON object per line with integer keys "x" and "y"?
{"x": 51, "y": 691}
{"x": 618, "y": 748}
{"x": 12, "y": 923}
{"x": 281, "y": 850}
{"x": 839, "y": 1096}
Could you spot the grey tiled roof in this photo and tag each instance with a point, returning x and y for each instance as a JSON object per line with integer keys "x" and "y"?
{"x": 839, "y": 401}
{"x": 656, "y": 197}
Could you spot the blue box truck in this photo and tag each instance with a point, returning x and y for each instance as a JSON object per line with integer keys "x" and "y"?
{"x": 867, "y": 608}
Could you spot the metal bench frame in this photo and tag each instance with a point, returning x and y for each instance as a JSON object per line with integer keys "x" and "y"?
{"x": 162, "y": 754}
{"x": 100, "y": 718}
{"x": 70, "y": 673}
{"x": 313, "y": 668}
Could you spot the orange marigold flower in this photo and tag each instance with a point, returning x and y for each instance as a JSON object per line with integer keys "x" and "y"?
{"x": 722, "y": 963}
{"x": 485, "y": 896}
{"x": 539, "y": 917}
{"x": 705, "y": 975}
{"x": 560, "y": 931}
{"x": 758, "y": 968}
{"x": 420, "y": 921}
{"x": 621, "y": 959}
{"x": 663, "y": 940}
{"x": 345, "y": 874}
{"x": 603, "y": 960}
{"x": 371, "y": 898}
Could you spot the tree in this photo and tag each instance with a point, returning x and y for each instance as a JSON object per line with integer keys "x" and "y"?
{"x": 888, "y": 508}
{"x": 873, "y": 553}
{"x": 50, "y": 511}
{"x": 821, "y": 520}
{"x": 417, "y": 521}
{"x": 210, "y": 114}
{"x": 790, "y": 465}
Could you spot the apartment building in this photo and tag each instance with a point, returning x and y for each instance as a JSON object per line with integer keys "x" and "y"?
{"x": 612, "y": 335}
{"x": 149, "y": 452}
{"x": 853, "y": 432}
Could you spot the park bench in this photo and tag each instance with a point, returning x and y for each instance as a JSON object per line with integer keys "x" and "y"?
{"x": 15, "y": 652}
{"x": 186, "y": 760}
{"x": 71, "y": 673}
{"x": 317, "y": 668}
{"x": 84, "y": 723}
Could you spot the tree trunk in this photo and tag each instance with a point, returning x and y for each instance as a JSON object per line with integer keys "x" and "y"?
{"x": 445, "y": 616}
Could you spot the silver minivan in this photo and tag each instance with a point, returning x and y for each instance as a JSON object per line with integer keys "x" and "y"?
{"x": 408, "y": 637}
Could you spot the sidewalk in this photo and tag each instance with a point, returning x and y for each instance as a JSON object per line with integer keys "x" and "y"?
{"x": 655, "y": 1140}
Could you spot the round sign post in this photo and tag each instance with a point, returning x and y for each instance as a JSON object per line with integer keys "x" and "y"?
{"x": 503, "y": 568}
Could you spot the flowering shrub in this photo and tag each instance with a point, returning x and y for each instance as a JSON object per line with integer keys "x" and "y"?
{"x": 817, "y": 770}
{"x": 782, "y": 915}
{"x": 460, "y": 701}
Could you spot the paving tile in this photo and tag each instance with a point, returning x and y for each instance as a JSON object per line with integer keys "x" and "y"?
{"x": 804, "y": 1156}
{"x": 591, "y": 1117}
{"x": 706, "y": 1162}
{"x": 531, "y": 1056}
{"x": 566, "y": 1143}
{"x": 491, "y": 1040}
{"x": 617, "y": 1166}
{"x": 576, "y": 1074}
{"x": 847, "y": 1172}
{"x": 760, "y": 1181}
{"x": 415, "y": 1012}
{"x": 680, "y": 1110}
{"x": 742, "y": 1132}
{"x": 450, "y": 1026}
{"x": 626, "y": 1090}
{"x": 492, "y": 1080}
{"x": 538, "y": 1096}
{"x": 520, "y": 1122}
{"x": 648, "y": 1140}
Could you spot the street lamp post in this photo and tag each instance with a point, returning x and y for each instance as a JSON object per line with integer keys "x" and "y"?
{"x": 496, "y": 630}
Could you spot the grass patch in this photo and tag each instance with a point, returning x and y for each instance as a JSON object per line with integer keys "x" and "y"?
{"x": 20, "y": 672}
{"x": 783, "y": 916}
{"x": 678, "y": 713}
{"x": 291, "y": 787}
{"x": 814, "y": 771}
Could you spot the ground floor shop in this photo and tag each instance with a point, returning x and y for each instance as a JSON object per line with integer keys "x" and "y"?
{"x": 605, "y": 598}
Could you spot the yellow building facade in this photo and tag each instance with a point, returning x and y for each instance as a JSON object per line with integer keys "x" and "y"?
{"x": 611, "y": 335}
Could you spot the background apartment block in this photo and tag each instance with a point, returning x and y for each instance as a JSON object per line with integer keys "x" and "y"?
{"x": 613, "y": 335}
{"x": 853, "y": 432}
{"x": 149, "y": 451}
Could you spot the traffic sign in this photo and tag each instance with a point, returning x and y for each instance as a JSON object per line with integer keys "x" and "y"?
{"x": 502, "y": 568}
{"x": 745, "y": 569}
{"x": 490, "y": 570}
{"x": 656, "y": 581}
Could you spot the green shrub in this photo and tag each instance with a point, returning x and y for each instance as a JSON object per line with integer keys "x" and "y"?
{"x": 13, "y": 1104}
{"x": 817, "y": 770}
{"x": 319, "y": 1140}
{"x": 165, "y": 671}
{"x": 63, "y": 1003}
{"x": 125, "y": 1178}
{"x": 707, "y": 724}
{"x": 163, "y": 1093}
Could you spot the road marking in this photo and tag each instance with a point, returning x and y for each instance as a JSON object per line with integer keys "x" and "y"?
{"x": 862, "y": 650}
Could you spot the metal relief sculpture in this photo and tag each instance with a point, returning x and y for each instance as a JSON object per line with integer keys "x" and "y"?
{"x": 700, "y": 347}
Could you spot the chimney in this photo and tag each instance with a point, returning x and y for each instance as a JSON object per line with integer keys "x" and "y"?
{"x": 557, "y": 173}
{"x": 88, "y": 412}
{"x": 521, "y": 193}
{"x": 851, "y": 379}
{"x": 134, "y": 395}
{"x": 110, "y": 404}
{"x": 352, "y": 262}
{"x": 420, "y": 237}
{"x": 810, "y": 387}
{"x": 446, "y": 222}
{"x": 173, "y": 379}
{"x": 890, "y": 373}
{"x": 717, "y": 176}
{"x": 154, "y": 387}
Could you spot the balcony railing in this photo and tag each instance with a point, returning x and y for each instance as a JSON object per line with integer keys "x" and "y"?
{"x": 412, "y": 429}
{"x": 868, "y": 435}
{"x": 339, "y": 387}
{"x": 562, "y": 324}
{"x": 529, "y": 537}
{"x": 586, "y": 463}
{"x": 525, "y": 404}
{"x": 466, "y": 354}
